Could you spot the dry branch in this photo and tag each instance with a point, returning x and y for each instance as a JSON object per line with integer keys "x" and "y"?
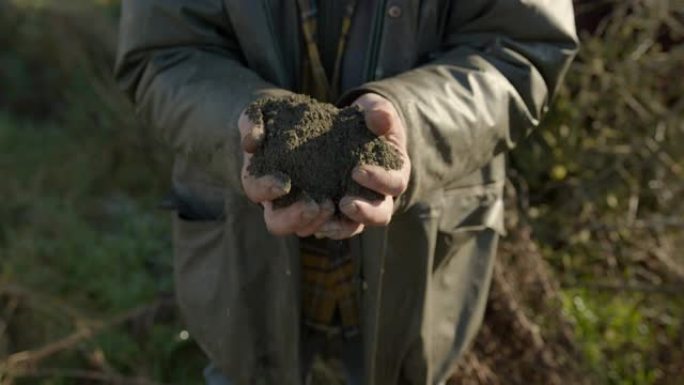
{"x": 87, "y": 375}
{"x": 21, "y": 363}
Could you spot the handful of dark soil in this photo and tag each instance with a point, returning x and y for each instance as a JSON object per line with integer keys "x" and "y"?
{"x": 317, "y": 145}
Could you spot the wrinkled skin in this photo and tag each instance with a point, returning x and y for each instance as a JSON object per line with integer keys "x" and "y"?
{"x": 307, "y": 217}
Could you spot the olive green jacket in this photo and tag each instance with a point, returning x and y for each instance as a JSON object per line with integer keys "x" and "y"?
{"x": 469, "y": 77}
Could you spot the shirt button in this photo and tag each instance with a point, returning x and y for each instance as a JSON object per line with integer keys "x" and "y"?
{"x": 394, "y": 11}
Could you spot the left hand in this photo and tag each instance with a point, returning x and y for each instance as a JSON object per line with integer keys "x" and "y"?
{"x": 383, "y": 120}
{"x": 304, "y": 217}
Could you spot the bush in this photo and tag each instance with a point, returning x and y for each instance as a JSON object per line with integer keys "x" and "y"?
{"x": 85, "y": 274}
{"x": 602, "y": 185}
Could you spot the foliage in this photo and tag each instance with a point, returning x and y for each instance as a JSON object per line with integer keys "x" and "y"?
{"x": 81, "y": 239}
{"x": 604, "y": 180}
{"x": 620, "y": 333}
{"x": 609, "y": 160}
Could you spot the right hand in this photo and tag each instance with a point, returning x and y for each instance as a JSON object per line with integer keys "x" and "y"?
{"x": 303, "y": 218}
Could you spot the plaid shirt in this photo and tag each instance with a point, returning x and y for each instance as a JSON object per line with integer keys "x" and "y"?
{"x": 329, "y": 287}
{"x": 315, "y": 79}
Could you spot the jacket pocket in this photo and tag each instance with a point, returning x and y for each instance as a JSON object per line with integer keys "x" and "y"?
{"x": 464, "y": 213}
{"x": 198, "y": 247}
{"x": 207, "y": 285}
{"x": 469, "y": 227}
{"x": 473, "y": 208}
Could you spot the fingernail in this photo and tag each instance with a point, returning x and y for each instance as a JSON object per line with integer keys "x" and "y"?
{"x": 329, "y": 208}
{"x": 308, "y": 215}
{"x": 360, "y": 173}
{"x": 258, "y": 132}
{"x": 278, "y": 190}
{"x": 349, "y": 206}
{"x": 322, "y": 235}
{"x": 329, "y": 228}
{"x": 252, "y": 140}
{"x": 281, "y": 184}
{"x": 282, "y": 180}
{"x": 310, "y": 212}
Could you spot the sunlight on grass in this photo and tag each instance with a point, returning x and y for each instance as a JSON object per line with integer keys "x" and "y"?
{"x": 619, "y": 334}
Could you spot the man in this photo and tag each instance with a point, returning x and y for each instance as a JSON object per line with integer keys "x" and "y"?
{"x": 452, "y": 84}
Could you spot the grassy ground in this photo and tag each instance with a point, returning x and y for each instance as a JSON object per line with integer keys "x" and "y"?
{"x": 80, "y": 246}
{"x": 82, "y": 243}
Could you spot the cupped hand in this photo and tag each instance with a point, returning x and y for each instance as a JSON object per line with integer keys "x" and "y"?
{"x": 383, "y": 120}
{"x": 303, "y": 218}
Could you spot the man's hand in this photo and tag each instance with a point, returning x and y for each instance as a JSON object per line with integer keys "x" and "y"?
{"x": 383, "y": 120}
{"x": 302, "y": 218}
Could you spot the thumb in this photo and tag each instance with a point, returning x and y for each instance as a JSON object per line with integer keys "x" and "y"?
{"x": 379, "y": 121}
{"x": 252, "y": 134}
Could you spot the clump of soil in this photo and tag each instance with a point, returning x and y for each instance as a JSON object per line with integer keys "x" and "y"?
{"x": 317, "y": 145}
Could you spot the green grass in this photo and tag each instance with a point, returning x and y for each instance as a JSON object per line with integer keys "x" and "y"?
{"x": 620, "y": 334}
{"x": 72, "y": 234}
{"x": 81, "y": 238}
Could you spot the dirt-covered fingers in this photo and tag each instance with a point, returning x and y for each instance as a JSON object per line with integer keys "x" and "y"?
{"x": 339, "y": 228}
{"x": 369, "y": 213}
{"x": 291, "y": 219}
{"x": 385, "y": 182}
{"x": 265, "y": 188}
{"x": 327, "y": 210}
{"x": 252, "y": 133}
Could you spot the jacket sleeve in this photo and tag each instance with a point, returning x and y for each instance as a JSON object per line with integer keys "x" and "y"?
{"x": 485, "y": 90}
{"x": 180, "y": 64}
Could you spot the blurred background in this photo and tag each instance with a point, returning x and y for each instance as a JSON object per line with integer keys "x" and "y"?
{"x": 588, "y": 289}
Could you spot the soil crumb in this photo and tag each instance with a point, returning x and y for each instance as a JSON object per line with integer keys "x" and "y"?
{"x": 317, "y": 145}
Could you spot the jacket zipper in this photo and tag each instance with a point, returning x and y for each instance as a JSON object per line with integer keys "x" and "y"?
{"x": 282, "y": 77}
{"x": 376, "y": 39}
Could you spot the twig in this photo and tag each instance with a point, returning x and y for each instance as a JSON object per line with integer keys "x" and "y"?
{"x": 98, "y": 360}
{"x": 673, "y": 267}
{"x": 17, "y": 363}
{"x": 656, "y": 222}
{"x": 88, "y": 375}
{"x": 10, "y": 310}
{"x": 44, "y": 301}
{"x": 626, "y": 287}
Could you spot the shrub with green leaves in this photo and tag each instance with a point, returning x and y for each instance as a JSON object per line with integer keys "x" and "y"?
{"x": 603, "y": 185}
